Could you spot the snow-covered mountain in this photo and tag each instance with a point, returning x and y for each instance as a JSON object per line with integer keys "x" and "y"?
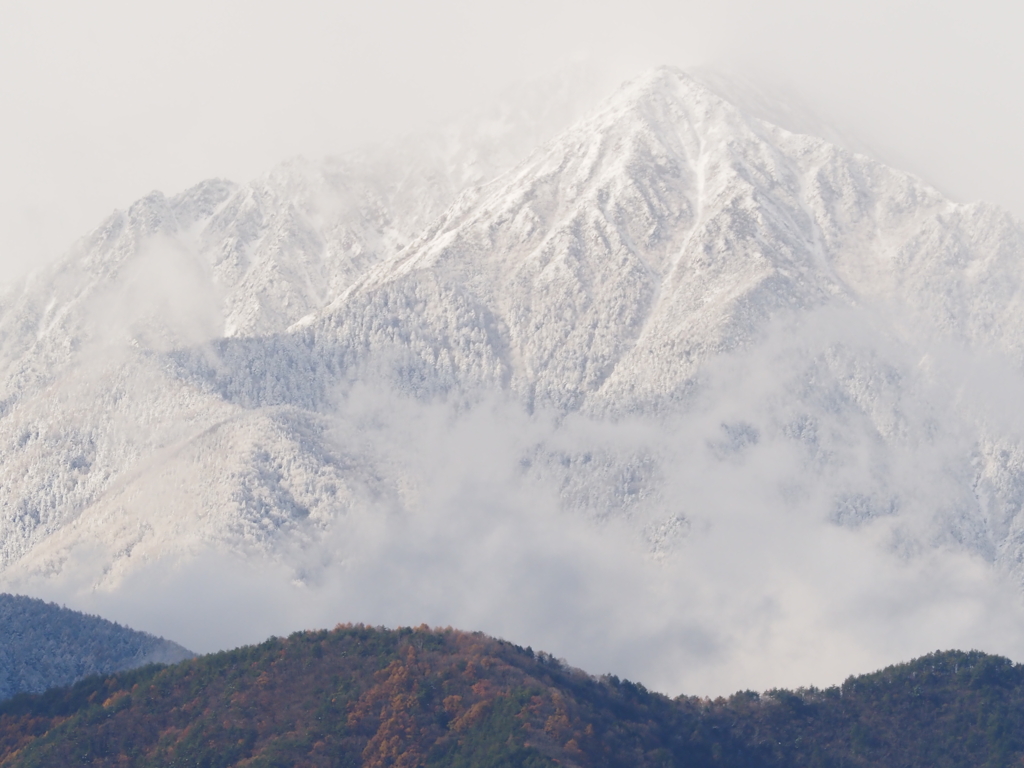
{"x": 687, "y": 309}
{"x": 217, "y": 260}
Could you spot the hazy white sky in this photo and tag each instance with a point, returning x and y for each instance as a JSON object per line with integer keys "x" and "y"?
{"x": 102, "y": 102}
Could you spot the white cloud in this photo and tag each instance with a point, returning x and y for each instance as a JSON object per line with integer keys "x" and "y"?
{"x": 764, "y": 589}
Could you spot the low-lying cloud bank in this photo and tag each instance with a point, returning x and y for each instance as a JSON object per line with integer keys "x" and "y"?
{"x": 744, "y": 602}
{"x": 801, "y": 518}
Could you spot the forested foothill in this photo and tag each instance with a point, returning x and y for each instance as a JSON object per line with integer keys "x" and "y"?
{"x": 43, "y": 645}
{"x": 360, "y": 696}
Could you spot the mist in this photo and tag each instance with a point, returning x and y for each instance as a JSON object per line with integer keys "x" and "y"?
{"x": 106, "y": 102}
{"x": 708, "y": 550}
{"x": 754, "y": 595}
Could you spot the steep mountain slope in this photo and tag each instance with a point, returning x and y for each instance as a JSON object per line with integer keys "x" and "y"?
{"x": 44, "y": 646}
{"x": 83, "y": 346}
{"x": 670, "y": 325}
{"x": 359, "y": 696}
{"x": 668, "y": 228}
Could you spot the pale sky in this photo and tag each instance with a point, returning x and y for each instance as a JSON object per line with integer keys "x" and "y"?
{"x": 103, "y": 102}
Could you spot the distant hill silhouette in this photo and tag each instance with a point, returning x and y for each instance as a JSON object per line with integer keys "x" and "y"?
{"x": 43, "y": 646}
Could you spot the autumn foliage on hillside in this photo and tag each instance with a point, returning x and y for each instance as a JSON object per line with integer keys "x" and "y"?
{"x": 353, "y": 696}
{"x": 358, "y": 696}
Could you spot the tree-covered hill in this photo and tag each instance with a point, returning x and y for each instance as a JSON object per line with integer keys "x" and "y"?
{"x": 357, "y": 696}
{"x": 43, "y": 645}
